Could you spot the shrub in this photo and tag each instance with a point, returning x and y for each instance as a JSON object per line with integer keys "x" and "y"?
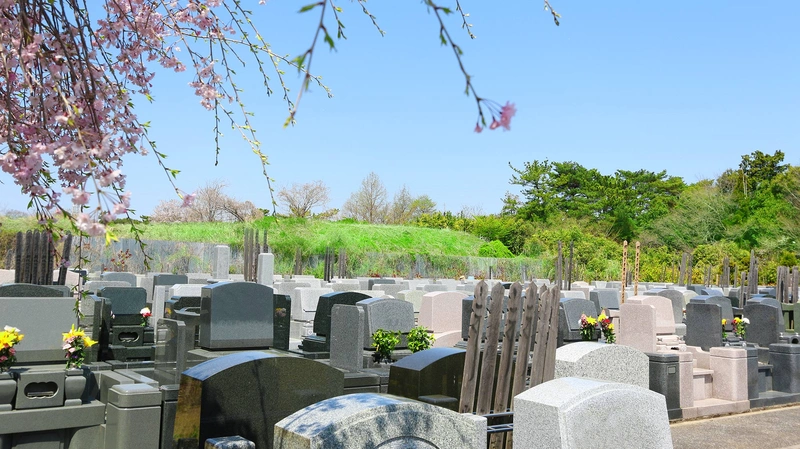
{"x": 496, "y": 249}
{"x": 419, "y": 339}
{"x": 385, "y": 342}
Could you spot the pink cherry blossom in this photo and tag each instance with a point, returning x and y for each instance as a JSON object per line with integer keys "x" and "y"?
{"x": 506, "y": 114}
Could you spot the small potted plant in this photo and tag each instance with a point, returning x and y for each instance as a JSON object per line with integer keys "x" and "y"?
{"x": 419, "y": 339}
{"x": 607, "y": 328}
{"x": 9, "y": 337}
{"x": 588, "y": 328}
{"x": 75, "y": 344}
{"x": 385, "y": 342}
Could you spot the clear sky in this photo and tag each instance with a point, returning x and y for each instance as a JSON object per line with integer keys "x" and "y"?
{"x": 658, "y": 85}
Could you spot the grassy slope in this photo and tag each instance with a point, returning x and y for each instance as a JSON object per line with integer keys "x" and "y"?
{"x": 314, "y": 236}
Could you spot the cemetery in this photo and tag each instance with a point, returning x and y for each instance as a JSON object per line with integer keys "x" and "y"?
{"x": 211, "y": 360}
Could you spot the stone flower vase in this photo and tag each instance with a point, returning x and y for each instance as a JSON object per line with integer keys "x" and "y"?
{"x": 74, "y": 386}
{"x": 8, "y": 390}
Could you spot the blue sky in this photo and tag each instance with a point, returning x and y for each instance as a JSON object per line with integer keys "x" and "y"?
{"x": 686, "y": 88}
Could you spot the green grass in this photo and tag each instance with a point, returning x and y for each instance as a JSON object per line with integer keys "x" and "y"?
{"x": 313, "y": 236}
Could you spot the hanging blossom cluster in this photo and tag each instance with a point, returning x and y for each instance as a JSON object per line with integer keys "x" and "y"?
{"x": 68, "y": 80}
{"x": 66, "y": 88}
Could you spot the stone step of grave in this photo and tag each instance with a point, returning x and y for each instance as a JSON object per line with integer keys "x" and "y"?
{"x": 773, "y": 398}
{"x": 712, "y": 407}
{"x": 702, "y": 384}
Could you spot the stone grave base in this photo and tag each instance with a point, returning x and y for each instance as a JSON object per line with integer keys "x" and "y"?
{"x": 713, "y": 406}
{"x": 772, "y": 398}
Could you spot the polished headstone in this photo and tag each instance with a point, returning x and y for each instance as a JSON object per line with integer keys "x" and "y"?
{"x": 236, "y": 315}
{"x": 435, "y": 372}
{"x": 246, "y": 394}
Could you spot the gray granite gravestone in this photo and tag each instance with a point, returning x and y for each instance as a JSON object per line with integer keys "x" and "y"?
{"x": 569, "y": 318}
{"x": 433, "y": 375}
{"x": 386, "y": 314}
{"x": 236, "y": 315}
{"x": 371, "y": 420}
{"x": 42, "y": 321}
{"x": 130, "y": 278}
{"x": 347, "y": 337}
{"x": 703, "y": 324}
{"x": 764, "y": 328}
{"x": 246, "y": 394}
{"x": 32, "y": 290}
{"x": 96, "y": 286}
{"x": 604, "y": 298}
{"x": 322, "y": 319}
{"x": 568, "y": 412}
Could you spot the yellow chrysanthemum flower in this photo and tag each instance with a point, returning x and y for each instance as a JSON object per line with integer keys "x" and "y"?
{"x": 724, "y": 321}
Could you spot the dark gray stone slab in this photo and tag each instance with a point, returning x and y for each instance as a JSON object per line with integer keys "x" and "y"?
{"x": 371, "y": 283}
{"x": 33, "y": 291}
{"x": 170, "y": 279}
{"x": 322, "y": 317}
{"x": 436, "y": 372}
{"x": 246, "y": 394}
{"x": 665, "y": 379}
{"x": 703, "y": 324}
{"x": 604, "y": 298}
{"x": 236, "y": 315}
{"x": 765, "y": 327}
{"x": 125, "y": 300}
{"x": 319, "y": 342}
{"x": 283, "y": 319}
{"x": 785, "y": 360}
{"x": 569, "y": 316}
{"x": 178, "y": 303}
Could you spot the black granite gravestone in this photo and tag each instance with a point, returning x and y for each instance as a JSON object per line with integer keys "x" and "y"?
{"x": 433, "y": 375}
{"x": 126, "y": 303}
{"x": 569, "y": 318}
{"x": 178, "y": 303}
{"x": 322, "y": 319}
{"x": 236, "y": 315}
{"x": 282, "y": 321}
{"x": 246, "y": 394}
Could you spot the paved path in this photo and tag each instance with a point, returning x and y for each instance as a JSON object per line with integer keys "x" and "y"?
{"x": 765, "y": 429}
